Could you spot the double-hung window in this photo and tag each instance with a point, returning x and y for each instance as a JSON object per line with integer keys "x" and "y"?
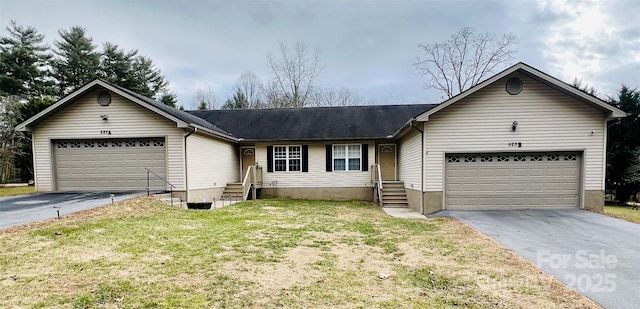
{"x": 347, "y": 157}
{"x": 287, "y": 158}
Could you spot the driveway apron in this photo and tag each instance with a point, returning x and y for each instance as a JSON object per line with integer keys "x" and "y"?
{"x": 594, "y": 254}
{"x": 17, "y": 210}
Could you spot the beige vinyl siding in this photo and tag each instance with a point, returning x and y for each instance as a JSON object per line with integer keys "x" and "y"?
{"x": 409, "y": 162}
{"x": 211, "y": 163}
{"x": 547, "y": 121}
{"x": 81, "y": 120}
{"x": 317, "y": 176}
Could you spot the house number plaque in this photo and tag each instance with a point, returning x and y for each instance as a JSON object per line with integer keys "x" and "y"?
{"x": 105, "y": 132}
{"x": 515, "y": 144}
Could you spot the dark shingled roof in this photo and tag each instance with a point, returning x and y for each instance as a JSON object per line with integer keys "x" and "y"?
{"x": 179, "y": 114}
{"x": 314, "y": 123}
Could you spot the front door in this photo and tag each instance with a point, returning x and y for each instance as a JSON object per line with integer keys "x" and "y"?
{"x": 387, "y": 161}
{"x": 248, "y": 159}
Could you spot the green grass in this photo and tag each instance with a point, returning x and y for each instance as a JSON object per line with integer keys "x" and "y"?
{"x": 11, "y": 191}
{"x": 623, "y": 212}
{"x": 261, "y": 254}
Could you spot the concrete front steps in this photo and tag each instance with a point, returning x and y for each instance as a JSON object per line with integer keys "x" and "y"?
{"x": 394, "y": 194}
{"x": 233, "y": 191}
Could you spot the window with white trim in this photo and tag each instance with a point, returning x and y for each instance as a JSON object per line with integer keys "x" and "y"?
{"x": 287, "y": 158}
{"x": 347, "y": 157}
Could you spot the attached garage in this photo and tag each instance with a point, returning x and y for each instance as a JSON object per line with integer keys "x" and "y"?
{"x": 109, "y": 164}
{"x": 512, "y": 180}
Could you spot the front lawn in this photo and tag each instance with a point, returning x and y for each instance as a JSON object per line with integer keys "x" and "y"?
{"x": 11, "y": 191}
{"x": 268, "y": 253}
{"x": 623, "y": 212}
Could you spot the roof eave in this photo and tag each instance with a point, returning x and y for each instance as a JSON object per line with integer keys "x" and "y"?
{"x": 322, "y": 139}
{"x": 216, "y": 133}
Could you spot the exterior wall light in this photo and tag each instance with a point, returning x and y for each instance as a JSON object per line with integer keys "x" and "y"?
{"x": 514, "y": 125}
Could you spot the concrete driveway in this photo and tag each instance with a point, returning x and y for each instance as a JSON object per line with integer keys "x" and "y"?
{"x": 17, "y": 210}
{"x": 594, "y": 254}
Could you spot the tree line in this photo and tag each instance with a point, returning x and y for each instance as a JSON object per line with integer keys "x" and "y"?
{"x": 33, "y": 75}
{"x": 295, "y": 71}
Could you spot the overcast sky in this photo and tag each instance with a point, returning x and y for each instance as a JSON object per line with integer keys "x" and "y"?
{"x": 367, "y": 46}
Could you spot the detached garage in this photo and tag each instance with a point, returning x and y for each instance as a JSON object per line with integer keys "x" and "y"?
{"x": 109, "y": 164}
{"x": 512, "y": 181}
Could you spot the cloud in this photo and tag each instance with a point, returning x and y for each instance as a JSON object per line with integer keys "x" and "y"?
{"x": 368, "y": 46}
{"x": 590, "y": 39}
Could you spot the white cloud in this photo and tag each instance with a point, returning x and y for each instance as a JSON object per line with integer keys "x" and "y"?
{"x": 588, "y": 41}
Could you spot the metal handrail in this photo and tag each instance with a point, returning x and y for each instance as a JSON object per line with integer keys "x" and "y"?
{"x": 171, "y": 186}
{"x": 379, "y": 183}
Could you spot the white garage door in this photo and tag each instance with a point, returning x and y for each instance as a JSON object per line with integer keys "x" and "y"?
{"x": 109, "y": 164}
{"x": 512, "y": 181}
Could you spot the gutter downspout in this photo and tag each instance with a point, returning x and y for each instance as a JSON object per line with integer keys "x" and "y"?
{"x": 413, "y": 121}
{"x": 186, "y": 175}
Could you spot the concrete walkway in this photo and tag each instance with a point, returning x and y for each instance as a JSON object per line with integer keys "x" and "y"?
{"x": 406, "y": 213}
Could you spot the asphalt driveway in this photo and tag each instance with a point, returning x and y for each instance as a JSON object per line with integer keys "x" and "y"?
{"x": 594, "y": 254}
{"x": 17, "y": 210}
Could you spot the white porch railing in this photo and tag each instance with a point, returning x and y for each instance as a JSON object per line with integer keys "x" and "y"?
{"x": 252, "y": 181}
{"x": 377, "y": 180}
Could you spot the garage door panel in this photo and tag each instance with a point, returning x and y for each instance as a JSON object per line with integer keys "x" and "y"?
{"x": 512, "y": 180}
{"x": 104, "y": 164}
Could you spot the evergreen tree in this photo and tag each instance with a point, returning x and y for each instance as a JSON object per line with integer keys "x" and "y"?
{"x": 149, "y": 80}
{"x": 116, "y": 66}
{"x": 77, "y": 60}
{"x": 24, "y": 59}
{"x": 168, "y": 98}
{"x": 238, "y": 101}
{"x": 623, "y": 147}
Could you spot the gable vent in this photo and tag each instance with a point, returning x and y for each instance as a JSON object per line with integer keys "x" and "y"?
{"x": 514, "y": 86}
{"x": 104, "y": 98}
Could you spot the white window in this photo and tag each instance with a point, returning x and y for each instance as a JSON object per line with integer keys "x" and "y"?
{"x": 287, "y": 158}
{"x": 346, "y": 157}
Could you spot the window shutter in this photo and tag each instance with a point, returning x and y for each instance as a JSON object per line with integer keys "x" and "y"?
{"x": 269, "y": 159}
{"x": 365, "y": 157}
{"x": 305, "y": 158}
{"x": 329, "y": 157}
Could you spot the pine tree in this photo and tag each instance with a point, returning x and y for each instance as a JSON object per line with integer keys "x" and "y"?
{"x": 623, "y": 146}
{"x": 116, "y": 66}
{"x": 77, "y": 60}
{"x": 149, "y": 80}
{"x": 168, "y": 98}
{"x": 24, "y": 59}
{"x": 238, "y": 101}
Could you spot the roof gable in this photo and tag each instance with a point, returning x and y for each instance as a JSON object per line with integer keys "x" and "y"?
{"x": 522, "y": 68}
{"x": 181, "y": 118}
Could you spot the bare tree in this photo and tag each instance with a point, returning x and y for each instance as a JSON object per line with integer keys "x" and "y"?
{"x": 295, "y": 70}
{"x": 205, "y": 99}
{"x": 251, "y": 88}
{"x": 387, "y": 99}
{"x": 463, "y": 60}
{"x": 335, "y": 97}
